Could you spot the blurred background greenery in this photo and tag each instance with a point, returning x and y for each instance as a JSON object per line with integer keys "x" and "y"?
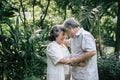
{"x": 25, "y": 25}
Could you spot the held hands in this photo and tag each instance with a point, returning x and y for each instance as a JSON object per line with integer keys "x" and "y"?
{"x": 73, "y": 62}
{"x": 68, "y": 60}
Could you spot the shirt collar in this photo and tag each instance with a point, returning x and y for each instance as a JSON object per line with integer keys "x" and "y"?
{"x": 79, "y": 31}
{"x": 58, "y": 44}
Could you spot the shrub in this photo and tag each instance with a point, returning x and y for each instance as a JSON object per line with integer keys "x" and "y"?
{"x": 109, "y": 68}
{"x": 22, "y": 53}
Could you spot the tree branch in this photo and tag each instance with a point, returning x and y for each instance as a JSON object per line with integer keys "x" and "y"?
{"x": 23, "y": 10}
{"x": 42, "y": 17}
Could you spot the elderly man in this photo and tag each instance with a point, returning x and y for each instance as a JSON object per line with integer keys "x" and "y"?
{"x": 83, "y": 49}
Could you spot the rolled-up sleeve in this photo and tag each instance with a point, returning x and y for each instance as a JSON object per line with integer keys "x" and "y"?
{"x": 88, "y": 43}
{"x": 54, "y": 53}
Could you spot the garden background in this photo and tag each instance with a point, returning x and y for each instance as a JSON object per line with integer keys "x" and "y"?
{"x": 25, "y": 25}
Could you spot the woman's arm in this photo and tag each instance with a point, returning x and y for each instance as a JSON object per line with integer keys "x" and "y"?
{"x": 65, "y": 61}
{"x": 69, "y": 61}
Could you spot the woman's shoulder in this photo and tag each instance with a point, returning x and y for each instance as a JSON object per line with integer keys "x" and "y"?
{"x": 52, "y": 44}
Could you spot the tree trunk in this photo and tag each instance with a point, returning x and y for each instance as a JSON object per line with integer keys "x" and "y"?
{"x": 99, "y": 33}
{"x": 117, "y": 44}
{"x": 34, "y": 12}
{"x": 65, "y": 12}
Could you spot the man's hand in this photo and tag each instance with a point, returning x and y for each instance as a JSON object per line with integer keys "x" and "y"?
{"x": 81, "y": 64}
{"x": 72, "y": 62}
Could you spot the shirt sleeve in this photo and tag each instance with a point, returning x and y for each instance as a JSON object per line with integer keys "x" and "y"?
{"x": 88, "y": 43}
{"x": 54, "y": 53}
{"x": 68, "y": 42}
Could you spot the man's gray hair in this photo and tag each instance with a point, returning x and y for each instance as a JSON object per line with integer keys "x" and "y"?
{"x": 71, "y": 22}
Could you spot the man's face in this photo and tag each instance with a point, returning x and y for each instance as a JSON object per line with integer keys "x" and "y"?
{"x": 70, "y": 32}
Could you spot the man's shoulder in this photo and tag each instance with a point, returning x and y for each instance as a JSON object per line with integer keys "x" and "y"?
{"x": 84, "y": 32}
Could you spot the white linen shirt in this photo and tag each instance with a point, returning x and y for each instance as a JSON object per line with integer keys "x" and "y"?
{"x": 56, "y": 70}
{"x": 82, "y": 42}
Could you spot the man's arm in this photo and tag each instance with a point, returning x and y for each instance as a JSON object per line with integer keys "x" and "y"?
{"x": 78, "y": 60}
{"x": 83, "y": 57}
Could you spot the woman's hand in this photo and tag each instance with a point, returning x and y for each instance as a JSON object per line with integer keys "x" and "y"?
{"x": 65, "y": 61}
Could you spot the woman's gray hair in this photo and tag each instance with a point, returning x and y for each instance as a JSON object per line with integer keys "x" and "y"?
{"x": 71, "y": 22}
{"x": 54, "y": 33}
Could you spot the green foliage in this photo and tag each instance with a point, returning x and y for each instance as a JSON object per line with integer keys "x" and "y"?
{"x": 108, "y": 30}
{"x": 31, "y": 78}
{"x": 6, "y": 10}
{"x": 109, "y": 68}
{"x": 23, "y": 54}
{"x": 23, "y": 46}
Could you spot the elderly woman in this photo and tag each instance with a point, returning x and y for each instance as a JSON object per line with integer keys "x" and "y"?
{"x": 57, "y": 56}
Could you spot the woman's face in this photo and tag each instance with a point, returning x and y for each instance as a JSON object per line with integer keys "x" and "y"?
{"x": 60, "y": 38}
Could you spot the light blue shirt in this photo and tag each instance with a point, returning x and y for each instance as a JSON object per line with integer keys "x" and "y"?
{"x": 82, "y": 42}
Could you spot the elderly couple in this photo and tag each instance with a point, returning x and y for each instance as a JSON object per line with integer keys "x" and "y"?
{"x": 81, "y": 64}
